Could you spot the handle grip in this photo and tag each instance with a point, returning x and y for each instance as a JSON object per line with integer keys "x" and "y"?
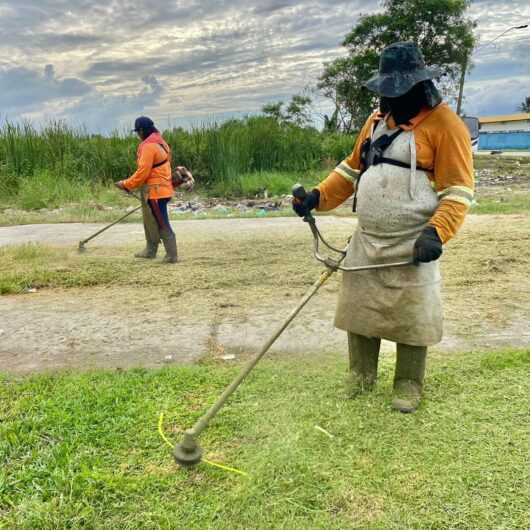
{"x": 299, "y": 192}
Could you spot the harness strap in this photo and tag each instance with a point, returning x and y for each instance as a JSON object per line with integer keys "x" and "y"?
{"x": 372, "y": 154}
{"x": 398, "y": 163}
{"x": 159, "y": 164}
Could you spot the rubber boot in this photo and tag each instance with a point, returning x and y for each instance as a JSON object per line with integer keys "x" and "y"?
{"x": 151, "y": 230}
{"x": 408, "y": 377}
{"x": 364, "y": 357}
{"x": 170, "y": 244}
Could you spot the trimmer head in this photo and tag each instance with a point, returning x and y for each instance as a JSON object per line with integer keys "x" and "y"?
{"x": 82, "y": 247}
{"x": 187, "y": 453}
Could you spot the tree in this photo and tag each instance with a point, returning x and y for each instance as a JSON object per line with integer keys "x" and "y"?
{"x": 297, "y": 112}
{"x": 274, "y": 110}
{"x": 438, "y": 27}
{"x": 525, "y": 105}
{"x": 331, "y": 124}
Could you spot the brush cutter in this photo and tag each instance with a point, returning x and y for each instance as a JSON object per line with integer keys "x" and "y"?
{"x": 82, "y": 243}
{"x": 188, "y": 452}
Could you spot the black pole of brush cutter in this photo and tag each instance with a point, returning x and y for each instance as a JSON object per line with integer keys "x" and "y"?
{"x": 188, "y": 452}
{"x": 104, "y": 229}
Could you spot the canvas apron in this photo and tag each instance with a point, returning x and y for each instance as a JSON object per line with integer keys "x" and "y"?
{"x": 394, "y": 204}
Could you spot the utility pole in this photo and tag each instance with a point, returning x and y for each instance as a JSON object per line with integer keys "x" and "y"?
{"x": 466, "y": 63}
{"x": 461, "y": 89}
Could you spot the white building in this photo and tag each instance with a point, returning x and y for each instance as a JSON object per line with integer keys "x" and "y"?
{"x": 511, "y": 131}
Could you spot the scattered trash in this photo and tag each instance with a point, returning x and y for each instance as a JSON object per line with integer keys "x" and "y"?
{"x": 229, "y": 357}
{"x": 168, "y": 358}
{"x": 31, "y": 290}
{"x": 229, "y": 208}
{"x": 491, "y": 177}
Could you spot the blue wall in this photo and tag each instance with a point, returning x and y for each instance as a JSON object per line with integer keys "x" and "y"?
{"x": 504, "y": 140}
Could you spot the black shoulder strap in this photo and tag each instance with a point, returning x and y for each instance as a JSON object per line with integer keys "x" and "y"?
{"x": 163, "y": 161}
{"x": 398, "y": 163}
{"x": 384, "y": 141}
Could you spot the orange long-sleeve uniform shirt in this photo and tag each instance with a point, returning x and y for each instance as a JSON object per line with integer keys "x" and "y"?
{"x": 443, "y": 147}
{"x": 157, "y": 179}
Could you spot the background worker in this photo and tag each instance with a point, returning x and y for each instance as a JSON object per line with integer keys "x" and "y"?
{"x": 411, "y": 173}
{"x": 153, "y": 177}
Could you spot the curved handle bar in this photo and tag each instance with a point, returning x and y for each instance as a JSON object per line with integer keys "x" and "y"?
{"x": 334, "y": 264}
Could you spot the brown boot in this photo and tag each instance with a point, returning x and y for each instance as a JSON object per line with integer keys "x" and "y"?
{"x": 408, "y": 378}
{"x": 364, "y": 357}
{"x": 151, "y": 230}
{"x": 170, "y": 244}
{"x": 146, "y": 253}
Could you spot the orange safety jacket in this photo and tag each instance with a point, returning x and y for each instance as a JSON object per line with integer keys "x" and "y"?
{"x": 154, "y": 168}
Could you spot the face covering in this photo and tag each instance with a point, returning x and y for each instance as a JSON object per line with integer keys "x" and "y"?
{"x": 405, "y": 107}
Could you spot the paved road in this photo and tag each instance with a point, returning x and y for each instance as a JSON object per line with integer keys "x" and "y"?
{"x": 72, "y": 233}
{"x": 515, "y": 154}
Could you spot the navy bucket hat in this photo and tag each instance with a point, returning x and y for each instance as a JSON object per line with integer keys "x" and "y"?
{"x": 400, "y": 68}
{"x": 144, "y": 123}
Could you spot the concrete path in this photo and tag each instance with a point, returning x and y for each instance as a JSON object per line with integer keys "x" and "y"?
{"x": 127, "y": 233}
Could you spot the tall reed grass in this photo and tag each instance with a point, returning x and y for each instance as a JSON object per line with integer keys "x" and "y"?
{"x": 57, "y": 163}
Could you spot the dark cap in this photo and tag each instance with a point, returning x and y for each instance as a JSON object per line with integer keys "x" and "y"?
{"x": 400, "y": 68}
{"x": 143, "y": 122}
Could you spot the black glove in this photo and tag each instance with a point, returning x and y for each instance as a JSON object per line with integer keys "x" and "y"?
{"x": 310, "y": 203}
{"x": 428, "y": 246}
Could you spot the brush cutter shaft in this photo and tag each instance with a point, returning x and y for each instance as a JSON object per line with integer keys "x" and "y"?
{"x": 82, "y": 243}
{"x": 202, "y": 423}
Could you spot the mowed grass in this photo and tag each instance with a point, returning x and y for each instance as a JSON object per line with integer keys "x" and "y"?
{"x": 210, "y": 264}
{"x": 82, "y": 450}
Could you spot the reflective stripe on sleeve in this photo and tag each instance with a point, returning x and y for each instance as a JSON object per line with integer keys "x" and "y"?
{"x": 344, "y": 170}
{"x": 461, "y": 194}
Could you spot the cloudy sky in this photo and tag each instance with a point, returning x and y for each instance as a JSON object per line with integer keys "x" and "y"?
{"x": 101, "y": 63}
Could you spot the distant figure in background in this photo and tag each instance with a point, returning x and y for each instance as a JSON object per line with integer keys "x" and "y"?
{"x": 154, "y": 178}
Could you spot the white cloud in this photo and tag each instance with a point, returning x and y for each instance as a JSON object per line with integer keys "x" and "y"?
{"x": 104, "y": 62}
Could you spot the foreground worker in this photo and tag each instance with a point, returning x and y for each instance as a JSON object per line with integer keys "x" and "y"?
{"x": 154, "y": 178}
{"x": 411, "y": 174}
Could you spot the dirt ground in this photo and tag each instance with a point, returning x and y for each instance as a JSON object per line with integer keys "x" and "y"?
{"x": 130, "y": 324}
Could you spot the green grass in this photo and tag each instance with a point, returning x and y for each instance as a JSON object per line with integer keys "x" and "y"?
{"x": 275, "y": 183}
{"x": 82, "y": 450}
{"x": 45, "y": 199}
{"x": 50, "y": 200}
{"x": 502, "y": 163}
{"x": 514, "y": 202}
{"x": 218, "y": 154}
